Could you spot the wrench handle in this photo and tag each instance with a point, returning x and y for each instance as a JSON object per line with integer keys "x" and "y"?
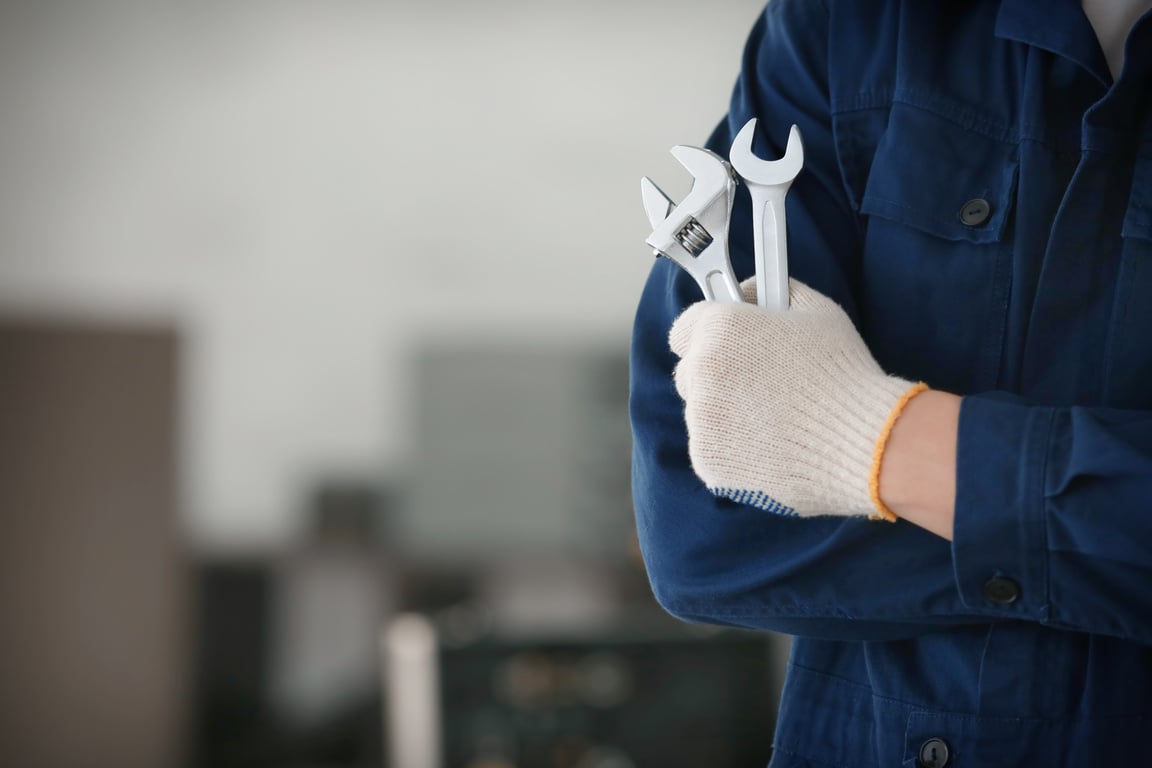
{"x": 720, "y": 285}
{"x": 770, "y": 237}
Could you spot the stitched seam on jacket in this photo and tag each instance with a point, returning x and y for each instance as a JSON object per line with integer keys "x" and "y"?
{"x": 960, "y": 115}
{"x": 792, "y": 610}
{"x": 1042, "y": 518}
{"x": 921, "y": 709}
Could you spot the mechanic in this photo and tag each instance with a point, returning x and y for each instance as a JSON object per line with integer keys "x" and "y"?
{"x": 966, "y": 564}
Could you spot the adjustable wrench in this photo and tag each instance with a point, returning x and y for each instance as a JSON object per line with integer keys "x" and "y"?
{"x": 768, "y": 182}
{"x": 694, "y": 234}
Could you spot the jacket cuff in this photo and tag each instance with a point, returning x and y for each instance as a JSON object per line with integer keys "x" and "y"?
{"x": 999, "y": 546}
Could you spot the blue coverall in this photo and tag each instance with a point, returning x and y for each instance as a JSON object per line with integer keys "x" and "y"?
{"x": 977, "y": 194}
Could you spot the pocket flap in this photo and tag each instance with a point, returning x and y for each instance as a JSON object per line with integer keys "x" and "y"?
{"x": 940, "y": 177}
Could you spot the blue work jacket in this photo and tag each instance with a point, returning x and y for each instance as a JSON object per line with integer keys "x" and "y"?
{"x": 977, "y": 195}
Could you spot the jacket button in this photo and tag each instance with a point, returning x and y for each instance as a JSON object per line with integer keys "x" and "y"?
{"x": 934, "y": 754}
{"x": 1001, "y": 590}
{"x": 975, "y": 212}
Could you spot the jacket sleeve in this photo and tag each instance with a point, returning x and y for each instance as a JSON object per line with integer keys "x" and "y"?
{"x": 716, "y": 561}
{"x": 1054, "y": 515}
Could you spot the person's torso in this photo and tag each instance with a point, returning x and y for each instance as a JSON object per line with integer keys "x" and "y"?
{"x": 1004, "y": 189}
{"x": 1005, "y": 198}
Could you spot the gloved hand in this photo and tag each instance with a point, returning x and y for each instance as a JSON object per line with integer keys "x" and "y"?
{"x": 787, "y": 411}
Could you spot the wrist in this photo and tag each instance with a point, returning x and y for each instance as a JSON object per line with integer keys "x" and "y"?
{"x": 881, "y": 509}
{"x": 917, "y": 472}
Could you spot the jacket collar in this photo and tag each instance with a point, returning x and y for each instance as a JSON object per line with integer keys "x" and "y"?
{"x": 1059, "y": 26}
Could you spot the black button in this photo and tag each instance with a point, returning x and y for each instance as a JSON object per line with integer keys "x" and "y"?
{"x": 975, "y": 212}
{"x": 1001, "y": 590}
{"x": 934, "y": 754}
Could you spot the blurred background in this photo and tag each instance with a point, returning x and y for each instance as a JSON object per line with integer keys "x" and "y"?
{"x": 313, "y": 386}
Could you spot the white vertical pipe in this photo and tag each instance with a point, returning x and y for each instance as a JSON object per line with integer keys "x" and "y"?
{"x": 412, "y": 693}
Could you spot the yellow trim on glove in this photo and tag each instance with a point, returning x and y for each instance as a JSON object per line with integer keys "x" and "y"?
{"x": 882, "y": 511}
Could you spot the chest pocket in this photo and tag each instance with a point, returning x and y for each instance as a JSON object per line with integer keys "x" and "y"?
{"x": 937, "y": 204}
{"x": 1130, "y": 357}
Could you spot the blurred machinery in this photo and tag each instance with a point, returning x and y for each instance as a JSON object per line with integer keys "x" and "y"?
{"x": 672, "y": 698}
{"x": 286, "y": 662}
{"x": 487, "y": 609}
{"x": 552, "y": 654}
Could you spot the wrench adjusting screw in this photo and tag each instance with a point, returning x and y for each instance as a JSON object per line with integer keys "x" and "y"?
{"x": 694, "y": 237}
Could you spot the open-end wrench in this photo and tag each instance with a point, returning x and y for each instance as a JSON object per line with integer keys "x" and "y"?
{"x": 694, "y": 234}
{"x": 768, "y": 182}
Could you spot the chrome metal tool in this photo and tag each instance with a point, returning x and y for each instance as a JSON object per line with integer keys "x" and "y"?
{"x": 768, "y": 182}
{"x": 694, "y": 234}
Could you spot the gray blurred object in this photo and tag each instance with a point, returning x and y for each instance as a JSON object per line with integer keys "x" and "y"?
{"x": 93, "y": 581}
{"x": 330, "y": 596}
{"x": 521, "y": 453}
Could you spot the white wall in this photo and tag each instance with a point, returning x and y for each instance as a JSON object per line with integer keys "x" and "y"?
{"x": 308, "y": 189}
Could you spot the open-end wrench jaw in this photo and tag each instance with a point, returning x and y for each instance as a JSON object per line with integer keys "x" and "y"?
{"x": 768, "y": 182}
{"x": 769, "y": 172}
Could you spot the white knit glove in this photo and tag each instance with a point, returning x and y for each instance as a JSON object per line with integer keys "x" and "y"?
{"x": 786, "y": 411}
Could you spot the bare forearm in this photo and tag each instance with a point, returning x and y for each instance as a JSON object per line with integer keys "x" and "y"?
{"x": 918, "y": 472}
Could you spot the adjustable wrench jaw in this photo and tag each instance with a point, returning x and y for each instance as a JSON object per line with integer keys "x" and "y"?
{"x": 694, "y": 234}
